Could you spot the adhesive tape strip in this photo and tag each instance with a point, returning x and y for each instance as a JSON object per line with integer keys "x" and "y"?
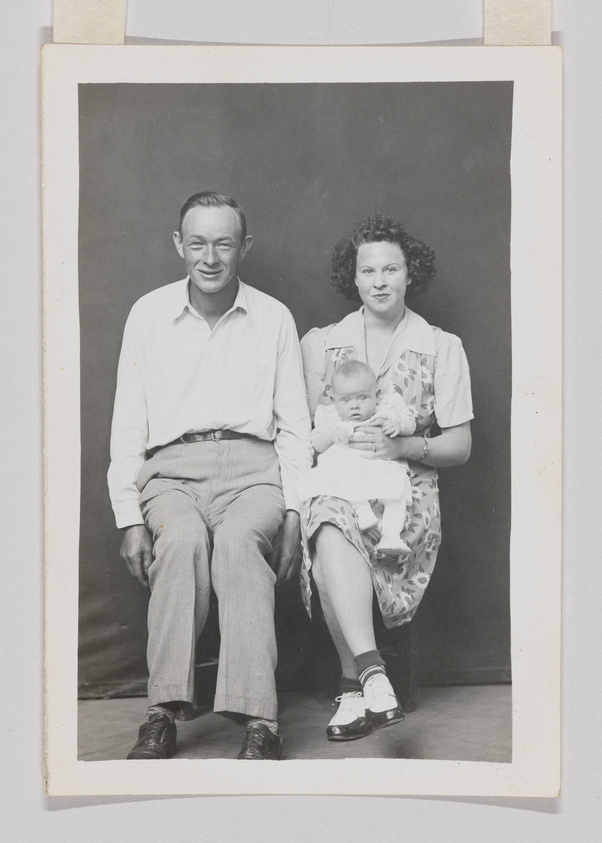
{"x": 517, "y": 22}
{"x": 506, "y": 22}
{"x": 89, "y": 21}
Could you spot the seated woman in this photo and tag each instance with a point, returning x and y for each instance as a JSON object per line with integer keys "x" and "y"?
{"x": 380, "y": 264}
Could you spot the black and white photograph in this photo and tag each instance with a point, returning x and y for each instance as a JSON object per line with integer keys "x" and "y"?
{"x": 300, "y": 387}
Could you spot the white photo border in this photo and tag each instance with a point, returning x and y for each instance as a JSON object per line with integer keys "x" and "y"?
{"x": 535, "y": 551}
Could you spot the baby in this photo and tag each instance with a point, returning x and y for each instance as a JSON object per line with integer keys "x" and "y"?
{"x": 345, "y": 472}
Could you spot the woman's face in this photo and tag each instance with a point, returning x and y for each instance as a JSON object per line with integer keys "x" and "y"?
{"x": 381, "y": 276}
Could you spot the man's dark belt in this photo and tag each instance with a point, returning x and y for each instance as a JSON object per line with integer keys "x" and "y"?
{"x": 203, "y": 436}
{"x": 215, "y": 435}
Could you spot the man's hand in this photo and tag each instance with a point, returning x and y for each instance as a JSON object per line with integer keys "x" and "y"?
{"x": 137, "y": 552}
{"x": 286, "y": 551}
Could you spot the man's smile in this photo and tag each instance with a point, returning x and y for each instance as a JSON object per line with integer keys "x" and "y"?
{"x": 209, "y": 273}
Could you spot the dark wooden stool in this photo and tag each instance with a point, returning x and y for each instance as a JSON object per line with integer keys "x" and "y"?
{"x": 399, "y": 649}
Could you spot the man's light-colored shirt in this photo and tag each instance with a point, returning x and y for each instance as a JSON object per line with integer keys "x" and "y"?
{"x": 176, "y": 375}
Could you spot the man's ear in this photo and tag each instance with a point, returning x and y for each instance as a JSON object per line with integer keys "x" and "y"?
{"x": 177, "y": 239}
{"x": 378, "y": 391}
{"x": 245, "y": 246}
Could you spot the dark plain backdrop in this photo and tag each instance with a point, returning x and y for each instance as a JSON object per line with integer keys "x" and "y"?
{"x": 306, "y": 162}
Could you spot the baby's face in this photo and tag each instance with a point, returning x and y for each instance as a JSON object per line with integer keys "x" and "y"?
{"x": 354, "y": 397}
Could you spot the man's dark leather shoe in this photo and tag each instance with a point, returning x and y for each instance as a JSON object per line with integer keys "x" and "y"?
{"x": 260, "y": 744}
{"x": 156, "y": 739}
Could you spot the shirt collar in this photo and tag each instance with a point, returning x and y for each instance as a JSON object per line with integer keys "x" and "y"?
{"x": 181, "y": 301}
{"x": 413, "y": 333}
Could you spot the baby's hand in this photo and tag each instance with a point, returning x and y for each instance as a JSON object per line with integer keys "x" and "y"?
{"x": 342, "y": 435}
{"x": 391, "y": 428}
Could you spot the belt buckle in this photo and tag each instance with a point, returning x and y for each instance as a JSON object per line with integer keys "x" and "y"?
{"x": 216, "y": 435}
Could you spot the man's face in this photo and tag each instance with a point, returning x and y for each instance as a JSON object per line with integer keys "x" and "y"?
{"x": 210, "y": 244}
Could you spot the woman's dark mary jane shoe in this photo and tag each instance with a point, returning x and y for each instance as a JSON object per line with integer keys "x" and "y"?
{"x": 350, "y": 722}
{"x": 382, "y": 707}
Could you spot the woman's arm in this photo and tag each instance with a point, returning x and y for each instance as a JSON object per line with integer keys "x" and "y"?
{"x": 452, "y": 447}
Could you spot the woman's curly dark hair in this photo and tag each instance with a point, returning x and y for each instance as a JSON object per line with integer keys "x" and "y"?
{"x": 420, "y": 258}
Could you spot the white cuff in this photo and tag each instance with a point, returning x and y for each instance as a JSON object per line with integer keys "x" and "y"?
{"x": 127, "y": 514}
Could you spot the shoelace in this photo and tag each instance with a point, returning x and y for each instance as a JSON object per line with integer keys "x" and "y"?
{"x": 378, "y": 686}
{"x": 348, "y": 694}
{"x": 251, "y": 738}
{"x": 154, "y": 730}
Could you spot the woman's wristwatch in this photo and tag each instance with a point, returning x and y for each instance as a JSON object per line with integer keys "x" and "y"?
{"x": 426, "y": 449}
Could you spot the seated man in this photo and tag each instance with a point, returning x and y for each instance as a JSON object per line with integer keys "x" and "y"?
{"x": 210, "y": 436}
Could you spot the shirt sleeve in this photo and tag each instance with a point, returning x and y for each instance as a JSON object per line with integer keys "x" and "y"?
{"x": 453, "y": 399}
{"x": 291, "y": 414}
{"x": 314, "y": 366}
{"x": 129, "y": 432}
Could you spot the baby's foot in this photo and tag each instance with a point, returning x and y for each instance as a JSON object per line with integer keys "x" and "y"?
{"x": 393, "y": 545}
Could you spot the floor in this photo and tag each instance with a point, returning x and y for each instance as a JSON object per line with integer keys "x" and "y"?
{"x": 466, "y": 723}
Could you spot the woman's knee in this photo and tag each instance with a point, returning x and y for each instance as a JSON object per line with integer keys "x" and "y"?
{"x": 324, "y": 545}
{"x": 328, "y": 542}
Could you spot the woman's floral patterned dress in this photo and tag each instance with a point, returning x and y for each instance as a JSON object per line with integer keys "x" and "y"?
{"x": 429, "y": 368}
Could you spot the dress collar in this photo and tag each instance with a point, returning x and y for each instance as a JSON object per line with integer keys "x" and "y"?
{"x": 412, "y": 334}
{"x": 181, "y": 301}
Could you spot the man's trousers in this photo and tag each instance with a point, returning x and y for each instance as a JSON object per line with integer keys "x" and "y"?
{"x": 213, "y": 509}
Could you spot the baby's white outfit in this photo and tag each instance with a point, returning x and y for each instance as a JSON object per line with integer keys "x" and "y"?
{"x": 342, "y": 471}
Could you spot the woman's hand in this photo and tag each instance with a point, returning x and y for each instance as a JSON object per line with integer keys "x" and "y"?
{"x": 375, "y": 444}
{"x": 451, "y": 447}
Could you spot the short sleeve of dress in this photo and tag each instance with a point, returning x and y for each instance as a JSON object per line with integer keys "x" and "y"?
{"x": 453, "y": 399}
{"x": 314, "y": 365}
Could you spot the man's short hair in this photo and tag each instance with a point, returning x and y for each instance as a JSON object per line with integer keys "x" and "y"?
{"x": 209, "y": 199}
